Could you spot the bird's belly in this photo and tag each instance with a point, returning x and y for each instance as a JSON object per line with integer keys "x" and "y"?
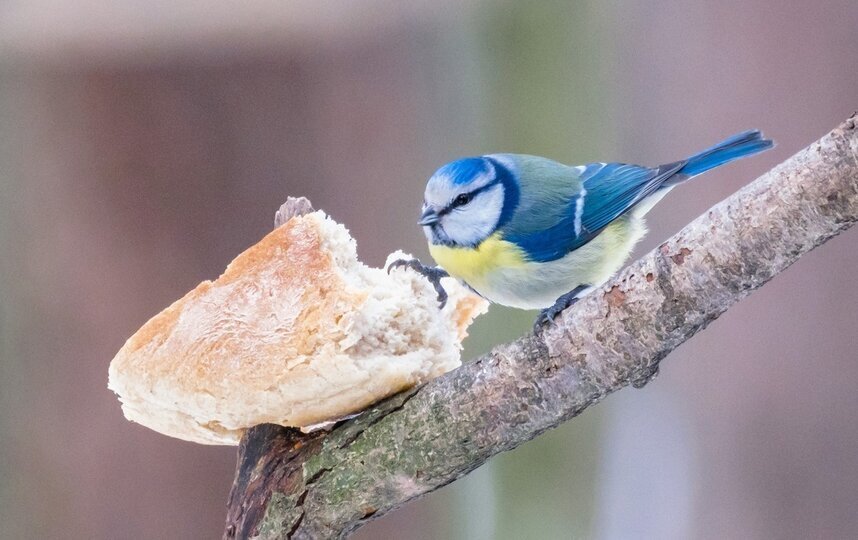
{"x": 535, "y": 286}
{"x": 501, "y": 272}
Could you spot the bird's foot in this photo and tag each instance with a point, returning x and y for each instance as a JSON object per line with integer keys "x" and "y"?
{"x": 431, "y": 273}
{"x": 546, "y": 316}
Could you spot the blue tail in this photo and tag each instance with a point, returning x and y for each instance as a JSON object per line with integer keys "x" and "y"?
{"x": 737, "y": 146}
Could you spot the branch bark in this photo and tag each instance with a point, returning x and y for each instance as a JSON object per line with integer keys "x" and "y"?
{"x": 326, "y": 484}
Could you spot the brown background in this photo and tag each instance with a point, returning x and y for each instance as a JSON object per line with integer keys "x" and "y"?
{"x": 144, "y": 146}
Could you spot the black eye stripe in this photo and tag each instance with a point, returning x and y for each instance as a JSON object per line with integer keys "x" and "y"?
{"x": 470, "y": 196}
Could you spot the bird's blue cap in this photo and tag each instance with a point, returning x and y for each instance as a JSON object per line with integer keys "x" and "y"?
{"x": 463, "y": 171}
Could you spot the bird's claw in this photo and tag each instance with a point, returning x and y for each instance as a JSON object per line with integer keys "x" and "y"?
{"x": 414, "y": 264}
{"x": 542, "y": 321}
{"x": 546, "y": 317}
{"x": 431, "y": 273}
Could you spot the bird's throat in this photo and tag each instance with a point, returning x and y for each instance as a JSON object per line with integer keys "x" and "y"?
{"x": 474, "y": 265}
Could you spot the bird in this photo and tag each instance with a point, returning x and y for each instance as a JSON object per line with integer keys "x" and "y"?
{"x": 532, "y": 233}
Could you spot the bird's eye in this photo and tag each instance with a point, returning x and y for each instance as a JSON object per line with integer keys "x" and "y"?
{"x": 462, "y": 199}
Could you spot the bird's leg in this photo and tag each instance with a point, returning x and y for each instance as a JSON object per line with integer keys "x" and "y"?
{"x": 432, "y": 273}
{"x": 546, "y": 316}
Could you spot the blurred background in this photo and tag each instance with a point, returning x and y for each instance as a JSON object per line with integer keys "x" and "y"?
{"x": 145, "y": 144}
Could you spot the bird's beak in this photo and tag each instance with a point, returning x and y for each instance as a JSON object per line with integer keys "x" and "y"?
{"x": 429, "y": 217}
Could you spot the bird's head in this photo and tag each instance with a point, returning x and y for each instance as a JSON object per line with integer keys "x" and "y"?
{"x": 467, "y": 200}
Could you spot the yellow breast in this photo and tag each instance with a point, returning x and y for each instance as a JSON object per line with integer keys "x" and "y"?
{"x": 474, "y": 265}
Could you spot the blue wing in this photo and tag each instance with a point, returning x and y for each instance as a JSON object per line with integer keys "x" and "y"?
{"x": 596, "y": 196}
{"x": 612, "y": 189}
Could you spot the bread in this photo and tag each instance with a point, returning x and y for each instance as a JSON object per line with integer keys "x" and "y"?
{"x": 295, "y": 332}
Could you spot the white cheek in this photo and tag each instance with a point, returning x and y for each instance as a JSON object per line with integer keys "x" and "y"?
{"x": 476, "y": 221}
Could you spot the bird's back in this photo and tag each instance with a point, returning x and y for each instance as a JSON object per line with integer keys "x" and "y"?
{"x": 546, "y": 189}
{"x": 544, "y": 221}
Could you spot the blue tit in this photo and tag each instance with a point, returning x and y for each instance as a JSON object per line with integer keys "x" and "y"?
{"x": 531, "y": 233}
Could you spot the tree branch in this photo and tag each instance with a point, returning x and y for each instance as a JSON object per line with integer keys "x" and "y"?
{"x": 328, "y": 484}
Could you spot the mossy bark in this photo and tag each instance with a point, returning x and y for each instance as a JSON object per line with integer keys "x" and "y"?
{"x": 326, "y": 484}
